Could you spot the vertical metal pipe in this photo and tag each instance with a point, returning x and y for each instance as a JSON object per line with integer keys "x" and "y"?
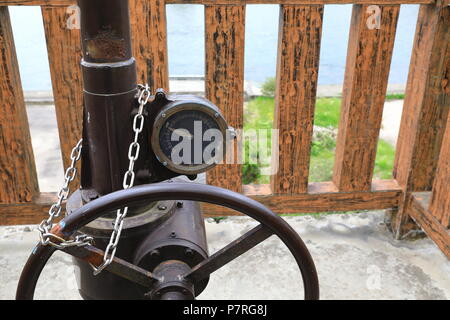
{"x": 109, "y": 75}
{"x": 105, "y": 30}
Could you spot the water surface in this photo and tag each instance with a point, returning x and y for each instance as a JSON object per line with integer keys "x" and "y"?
{"x": 186, "y": 43}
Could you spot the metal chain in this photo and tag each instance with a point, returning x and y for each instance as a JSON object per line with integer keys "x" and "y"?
{"x": 128, "y": 179}
{"x": 55, "y": 210}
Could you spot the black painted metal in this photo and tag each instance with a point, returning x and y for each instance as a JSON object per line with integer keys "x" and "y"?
{"x": 118, "y": 266}
{"x": 171, "y": 286}
{"x": 175, "y": 191}
{"x": 182, "y": 237}
{"x": 177, "y": 235}
{"x": 109, "y": 78}
{"x": 229, "y": 253}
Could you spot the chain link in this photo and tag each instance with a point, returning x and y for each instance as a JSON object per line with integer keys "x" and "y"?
{"x": 48, "y": 238}
{"x": 128, "y": 179}
{"x": 55, "y": 210}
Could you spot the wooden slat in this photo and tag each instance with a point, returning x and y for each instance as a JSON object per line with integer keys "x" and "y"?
{"x": 321, "y": 197}
{"x": 227, "y": 2}
{"x": 18, "y": 178}
{"x": 426, "y": 102}
{"x": 440, "y": 200}
{"x": 27, "y": 213}
{"x": 425, "y": 108}
{"x": 64, "y": 53}
{"x": 299, "y": 38}
{"x": 367, "y": 70}
{"x": 149, "y": 33}
{"x": 224, "y": 78}
{"x": 417, "y": 205}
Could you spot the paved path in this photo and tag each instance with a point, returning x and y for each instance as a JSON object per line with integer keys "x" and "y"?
{"x": 47, "y": 152}
{"x": 390, "y": 125}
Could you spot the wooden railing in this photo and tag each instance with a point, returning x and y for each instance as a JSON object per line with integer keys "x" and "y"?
{"x": 421, "y": 176}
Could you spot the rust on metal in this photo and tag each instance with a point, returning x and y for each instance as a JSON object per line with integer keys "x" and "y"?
{"x": 118, "y": 266}
{"x": 106, "y": 46}
{"x": 57, "y": 231}
{"x": 235, "y": 249}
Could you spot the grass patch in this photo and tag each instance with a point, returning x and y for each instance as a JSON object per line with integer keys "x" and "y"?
{"x": 395, "y": 96}
{"x": 327, "y": 112}
{"x": 321, "y": 165}
{"x": 384, "y": 162}
{"x": 259, "y": 114}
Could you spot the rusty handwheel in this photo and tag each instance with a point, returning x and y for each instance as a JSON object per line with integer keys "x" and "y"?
{"x": 270, "y": 224}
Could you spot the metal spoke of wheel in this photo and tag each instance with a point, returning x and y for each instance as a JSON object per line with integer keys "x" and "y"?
{"x": 229, "y": 253}
{"x": 118, "y": 266}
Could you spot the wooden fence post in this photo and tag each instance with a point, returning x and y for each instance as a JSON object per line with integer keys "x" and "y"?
{"x": 149, "y": 34}
{"x": 440, "y": 198}
{"x": 18, "y": 178}
{"x": 425, "y": 110}
{"x": 367, "y": 69}
{"x": 64, "y": 55}
{"x": 300, "y": 33}
{"x": 224, "y": 48}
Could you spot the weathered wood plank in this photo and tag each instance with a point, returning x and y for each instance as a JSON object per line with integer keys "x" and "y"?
{"x": 224, "y": 79}
{"x": 64, "y": 54}
{"x": 366, "y": 76}
{"x": 321, "y": 197}
{"x": 227, "y": 2}
{"x": 425, "y": 108}
{"x": 299, "y": 39}
{"x": 440, "y": 199}
{"x": 18, "y": 178}
{"x": 149, "y": 34}
{"x": 27, "y": 213}
{"x": 417, "y": 206}
{"x": 426, "y": 103}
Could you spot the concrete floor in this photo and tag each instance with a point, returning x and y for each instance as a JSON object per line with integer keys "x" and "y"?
{"x": 355, "y": 256}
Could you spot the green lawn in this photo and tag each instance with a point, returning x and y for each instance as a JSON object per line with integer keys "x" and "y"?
{"x": 395, "y": 96}
{"x": 259, "y": 114}
{"x": 327, "y": 112}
